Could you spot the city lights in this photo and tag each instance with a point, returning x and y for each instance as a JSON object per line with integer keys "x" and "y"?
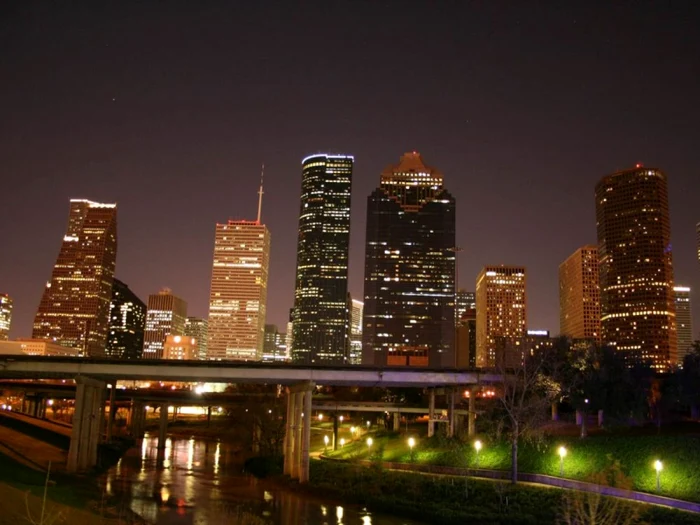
{"x": 562, "y": 455}
{"x": 658, "y": 467}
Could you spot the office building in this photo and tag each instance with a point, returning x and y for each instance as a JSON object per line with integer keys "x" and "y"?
{"x": 684, "y": 321}
{"x": 320, "y": 317}
{"x": 511, "y": 352}
{"x": 636, "y": 267}
{"x": 464, "y": 301}
{"x": 238, "y": 294}
{"x": 40, "y": 347}
{"x": 5, "y": 316}
{"x": 74, "y": 308}
{"x": 409, "y": 295}
{"x": 288, "y": 335}
{"x": 356, "y": 314}
{"x": 199, "y": 329}
{"x": 466, "y": 340}
{"x": 180, "y": 347}
{"x": 127, "y": 321}
{"x": 165, "y": 316}
{"x": 501, "y": 310}
{"x": 579, "y": 295}
{"x": 275, "y": 347}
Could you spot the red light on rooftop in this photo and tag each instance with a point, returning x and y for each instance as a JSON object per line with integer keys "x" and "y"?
{"x": 639, "y": 165}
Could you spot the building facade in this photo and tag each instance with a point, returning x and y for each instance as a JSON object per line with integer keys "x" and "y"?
{"x": 465, "y": 301}
{"x": 320, "y": 320}
{"x": 41, "y": 347}
{"x": 409, "y": 311}
{"x": 199, "y": 329}
{"x": 356, "y": 313}
{"x": 127, "y": 322}
{"x": 275, "y": 347}
{"x": 165, "y": 316}
{"x": 180, "y": 347}
{"x": 74, "y": 308}
{"x": 501, "y": 310}
{"x": 684, "y": 321}
{"x": 238, "y": 294}
{"x": 5, "y": 316}
{"x": 579, "y": 295}
{"x": 466, "y": 339}
{"x": 636, "y": 267}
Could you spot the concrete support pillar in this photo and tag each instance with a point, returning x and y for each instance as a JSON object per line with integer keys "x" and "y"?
{"x": 289, "y": 433}
{"x": 85, "y": 434}
{"x": 471, "y": 417}
{"x": 138, "y": 418}
{"x": 298, "y": 426}
{"x": 335, "y": 431}
{"x": 208, "y": 416}
{"x": 396, "y": 424}
{"x": 163, "y": 427}
{"x": 111, "y": 413}
{"x": 451, "y": 412}
{"x": 306, "y": 438}
{"x": 431, "y": 413}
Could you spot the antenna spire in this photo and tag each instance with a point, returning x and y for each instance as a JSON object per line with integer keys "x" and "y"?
{"x": 260, "y": 192}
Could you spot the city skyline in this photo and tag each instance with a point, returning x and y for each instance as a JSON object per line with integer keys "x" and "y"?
{"x": 524, "y": 175}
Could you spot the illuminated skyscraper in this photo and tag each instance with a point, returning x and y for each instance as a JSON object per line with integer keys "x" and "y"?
{"x": 238, "y": 296}
{"x": 356, "y": 313}
{"x": 74, "y": 308}
{"x": 684, "y": 321}
{"x": 501, "y": 313}
{"x": 466, "y": 333}
{"x": 465, "y": 301}
{"x": 409, "y": 315}
{"x": 275, "y": 347}
{"x": 166, "y": 316}
{"x": 181, "y": 347}
{"x": 5, "y": 316}
{"x": 127, "y": 321}
{"x": 636, "y": 266}
{"x": 579, "y": 295}
{"x": 199, "y": 329}
{"x": 320, "y": 315}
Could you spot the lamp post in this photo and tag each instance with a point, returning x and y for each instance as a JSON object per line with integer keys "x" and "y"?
{"x": 325, "y": 442}
{"x": 477, "y": 447}
{"x": 411, "y": 444}
{"x": 342, "y": 442}
{"x": 369, "y": 445}
{"x": 562, "y": 455}
{"x": 658, "y": 466}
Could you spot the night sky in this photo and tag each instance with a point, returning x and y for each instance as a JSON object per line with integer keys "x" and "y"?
{"x": 169, "y": 108}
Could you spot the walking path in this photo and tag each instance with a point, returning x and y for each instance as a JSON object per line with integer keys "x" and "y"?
{"x": 539, "y": 479}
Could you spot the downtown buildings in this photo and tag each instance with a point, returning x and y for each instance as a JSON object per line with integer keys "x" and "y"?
{"x": 199, "y": 329}
{"x": 165, "y": 316}
{"x": 320, "y": 317}
{"x": 127, "y": 321}
{"x": 238, "y": 293}
{"x": 638, "y": 315}
{"x": 74, "y": 308}
{"x": 409, "y": 310}
{"x": 579, "y": 295}
{"x": 684, "y": 321}
{"x": 501, "y": 313}
{"x": 5, "y": 316}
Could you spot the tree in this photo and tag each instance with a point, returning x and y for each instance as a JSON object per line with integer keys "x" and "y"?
{"x": 525, "y": 395}
{"x": 689, "y": 380}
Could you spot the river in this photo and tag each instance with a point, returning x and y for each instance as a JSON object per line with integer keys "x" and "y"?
{"x": 199, "y": 482}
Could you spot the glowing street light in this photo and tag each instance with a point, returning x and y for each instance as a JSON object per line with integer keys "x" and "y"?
{"x": 477, "y": 446}
{"x": 342, "y": 442}
{"x": 320, "y": 417}
{"x": 340, "y": 419}
{"x": 369, "y": 443}
{"x": 562, "y": 455}
{"x": 658, "y": 466}
{"x": 325, "y": 441}
{"x": 411, "y": 443}
{"x": 368, "y": 424}
{"x": 352, "y": 431}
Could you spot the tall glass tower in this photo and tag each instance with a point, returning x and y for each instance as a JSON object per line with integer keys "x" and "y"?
{"x": 127, "y": 321}
{"x": 409, "y": 314}
{"x": 74, "y": 308}
{"x": 321, "y": 317}
{"x": 638, "y": 315}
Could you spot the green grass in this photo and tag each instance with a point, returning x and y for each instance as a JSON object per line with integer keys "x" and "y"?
{"x": 680, "y": 477}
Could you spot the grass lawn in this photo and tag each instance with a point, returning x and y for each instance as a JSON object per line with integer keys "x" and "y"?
{"x": 680, "y": 477}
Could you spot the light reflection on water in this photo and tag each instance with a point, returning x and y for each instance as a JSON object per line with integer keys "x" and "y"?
{"x": 199, "y": 482}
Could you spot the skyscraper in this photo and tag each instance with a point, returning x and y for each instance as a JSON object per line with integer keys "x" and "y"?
{"x": 465, "y": 301}
{"x": 320, "y": 316}
{"x": 466, "y": 334}
{"x": 5, "y": 316}
{"x": 275, "y": 346}
{"x": 74, "y": 308}
{"x": 356, "y": 313}
{"x": 127, "y": 321}
{"x": 636, "y": 266}
{"x": 165, "y": 316}
{"x": 501, "y": 313}
{"x": 198, "y": 328}
{"x": 238, "y": 294}
{"x": 684, "y": 320}
{"x": 579, "y": 295}
{"x": 409, "y": 315}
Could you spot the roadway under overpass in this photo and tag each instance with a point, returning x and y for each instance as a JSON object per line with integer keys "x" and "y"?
{"x": 92, "y": 375}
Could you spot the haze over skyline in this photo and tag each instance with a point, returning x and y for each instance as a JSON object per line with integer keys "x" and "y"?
{"x": 170, "y": 109}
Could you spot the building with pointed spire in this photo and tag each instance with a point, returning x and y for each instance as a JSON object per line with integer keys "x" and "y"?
{"x": 74, "y": 308}
{"x": 238, "y": 293}
{"x": 409, "y": 295}
{"x": 321, "y": 317}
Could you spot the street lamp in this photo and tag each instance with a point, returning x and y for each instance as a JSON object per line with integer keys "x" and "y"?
{"x": 477, "y": 446}
{"x": 369, "y": 443}
{"x": 411, "y": 443}
{"x": 325, "y": 441}
{"x": 562, "y": 455}
{"x": 341, "y": 419}
{"x": 352, "y": 431}
{"x": 342, "y": 442}
{"x": 368, "y": 424}
{"x": 658, "y": 466}
{"x": 320, "y": 417}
